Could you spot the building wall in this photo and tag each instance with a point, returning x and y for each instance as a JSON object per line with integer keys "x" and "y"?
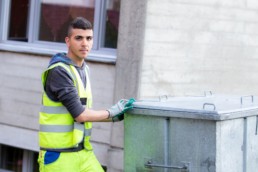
{"x": 19, "y": 99}
{"x": 193, "y": 46}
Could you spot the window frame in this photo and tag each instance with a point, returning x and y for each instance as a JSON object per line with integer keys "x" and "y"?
{"x": 35, "y": 46}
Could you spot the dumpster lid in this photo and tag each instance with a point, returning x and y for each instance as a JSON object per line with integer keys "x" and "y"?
{"x": 215, "y": 107}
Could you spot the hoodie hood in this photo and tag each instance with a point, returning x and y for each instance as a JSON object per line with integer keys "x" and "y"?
{"x": 60, "y": 57}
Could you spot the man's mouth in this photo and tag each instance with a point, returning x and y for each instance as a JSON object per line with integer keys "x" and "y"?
{"x": 84, "y": 50}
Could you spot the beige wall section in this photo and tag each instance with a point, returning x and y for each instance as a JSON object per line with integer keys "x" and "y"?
{"x": 20, "y": 89}
{"x": 130, "y": 48}
{"x": 192, "y": 46}
{"x": 20, "y": 99}
{"x": 128, "y": 64}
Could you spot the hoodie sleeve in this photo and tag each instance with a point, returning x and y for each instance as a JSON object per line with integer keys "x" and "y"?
{"x": 60, "y": 87}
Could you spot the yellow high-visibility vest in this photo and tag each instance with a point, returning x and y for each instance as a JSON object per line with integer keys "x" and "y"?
{"x": 58, "y": 129}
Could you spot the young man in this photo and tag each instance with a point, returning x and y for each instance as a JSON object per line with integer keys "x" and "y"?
{"x": 66, "y": 114}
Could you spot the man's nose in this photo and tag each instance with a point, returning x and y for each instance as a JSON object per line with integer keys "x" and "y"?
{"x": 84, "y": 42}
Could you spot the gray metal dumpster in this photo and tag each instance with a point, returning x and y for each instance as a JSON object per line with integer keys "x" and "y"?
{"x": 192, "y": 134}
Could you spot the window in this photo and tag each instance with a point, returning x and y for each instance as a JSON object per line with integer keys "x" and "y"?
{"x": 41, "y": 26}
{"x": 56, "y": 15}
{"x": 17, "y": 160}
{"x": 11, "y": 159}
{"x": 18, "y": 21}
{"x": 112, "y": 21}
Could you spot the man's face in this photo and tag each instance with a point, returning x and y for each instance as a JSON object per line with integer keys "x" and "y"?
{"x": 79, "y": 43}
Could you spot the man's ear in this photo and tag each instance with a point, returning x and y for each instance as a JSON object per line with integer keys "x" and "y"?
{"x": 67, "y": 41}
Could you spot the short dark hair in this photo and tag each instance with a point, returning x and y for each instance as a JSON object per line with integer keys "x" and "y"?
{"x": 79, "y": 23}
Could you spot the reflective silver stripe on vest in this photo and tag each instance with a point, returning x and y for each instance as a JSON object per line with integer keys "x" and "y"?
{"x": 87, "y": 132}
{"x": 56, "y": 128}
{"x": 78, "y": 126}
{"x": 74, "y": 78}
{"x": 54, "y": 109}
{"x": 61, "y": 128}
{"x": 65, "y": 128}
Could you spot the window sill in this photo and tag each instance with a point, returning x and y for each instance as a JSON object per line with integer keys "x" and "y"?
{"x": 102, "y": 55}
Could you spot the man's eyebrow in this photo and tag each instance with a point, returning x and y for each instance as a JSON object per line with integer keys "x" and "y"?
{"x": 80, "y": 36}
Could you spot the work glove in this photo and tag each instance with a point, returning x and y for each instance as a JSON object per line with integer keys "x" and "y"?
{"x": 116, "y": 112}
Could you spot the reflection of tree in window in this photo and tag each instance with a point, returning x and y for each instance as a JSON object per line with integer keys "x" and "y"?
{"x": 54, "y": 16}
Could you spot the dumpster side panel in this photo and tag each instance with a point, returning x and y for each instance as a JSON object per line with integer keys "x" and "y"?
{"x": 193, "y": 141}
{"x": 230, "y": 149}
{"x": 178, "y": 136}
{"x": 251, "y": 156}
{"x": 144, "y": 140}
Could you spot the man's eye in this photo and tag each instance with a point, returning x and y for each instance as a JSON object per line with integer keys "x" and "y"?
{"x": 78, "y": 37}
{"x": 89, "y": 38}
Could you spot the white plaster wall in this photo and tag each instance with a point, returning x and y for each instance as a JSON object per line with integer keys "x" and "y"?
{"x": 192, "y": 46}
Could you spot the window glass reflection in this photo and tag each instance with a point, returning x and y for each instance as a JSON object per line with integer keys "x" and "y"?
{"x": 112, "y": 22}
{"x": 18, "y": 20}
{"x": 11, "y": 159}
{"x": 57, "y": 14}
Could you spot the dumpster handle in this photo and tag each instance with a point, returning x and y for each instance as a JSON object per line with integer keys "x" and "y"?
{"x": 242, "y": 97}
{"x": 186, "y": 166}
{"x": 209, "y": 104}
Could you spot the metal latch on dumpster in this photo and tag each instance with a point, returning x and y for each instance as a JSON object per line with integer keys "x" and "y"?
{"x": 185, "y": 166}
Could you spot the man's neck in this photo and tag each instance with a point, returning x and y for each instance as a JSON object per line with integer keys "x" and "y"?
{"x": 77, "y": 61}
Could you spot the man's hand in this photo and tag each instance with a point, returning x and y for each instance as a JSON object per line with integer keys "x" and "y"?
{"x": 116, "y": 112}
